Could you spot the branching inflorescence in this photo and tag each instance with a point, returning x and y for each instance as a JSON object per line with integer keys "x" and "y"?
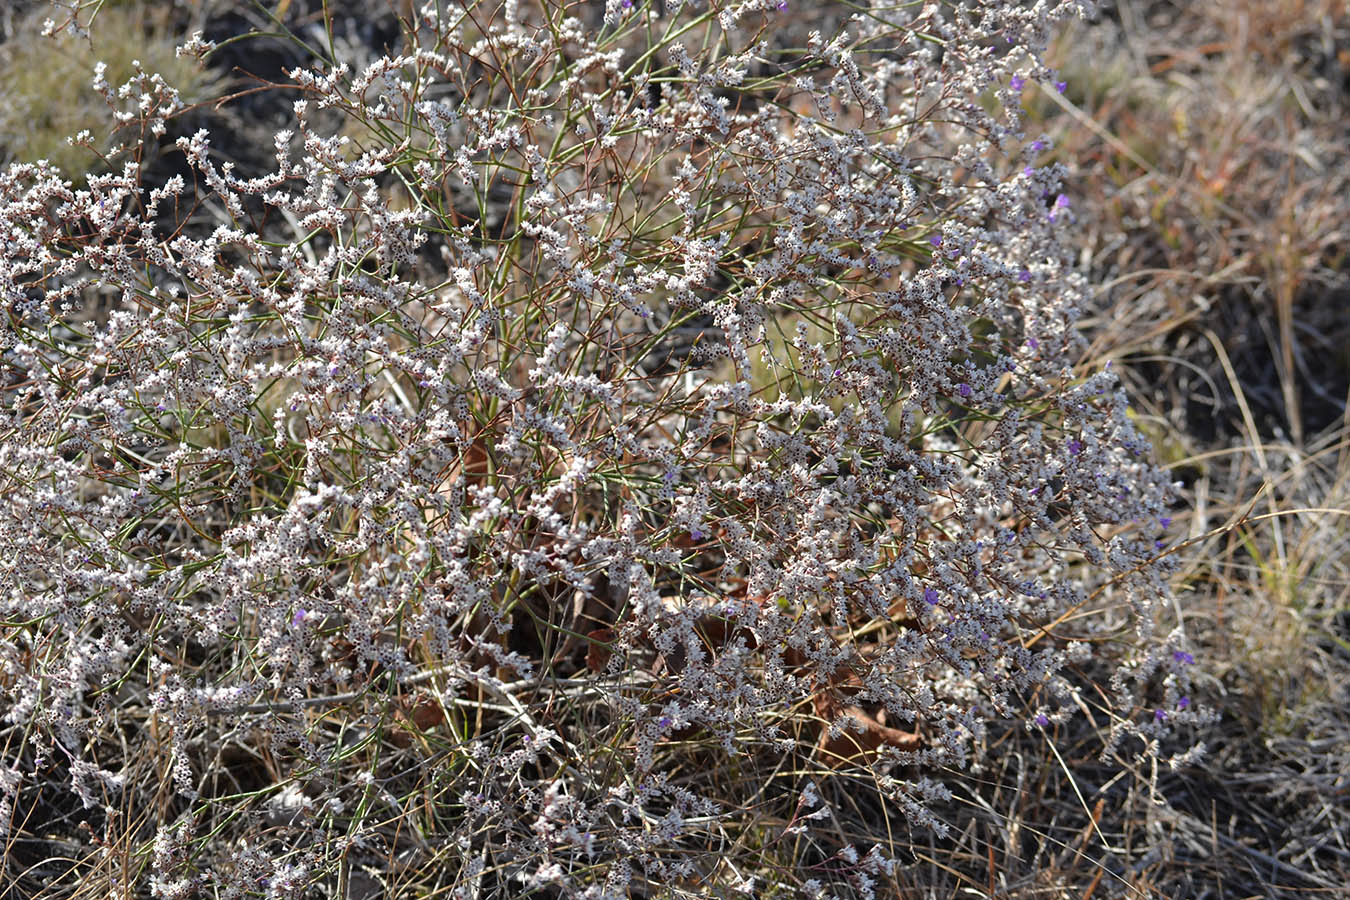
{"x": 585, "y": 396}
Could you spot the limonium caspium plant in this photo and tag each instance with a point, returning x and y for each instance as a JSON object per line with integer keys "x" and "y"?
{"x": 589, "y": 399}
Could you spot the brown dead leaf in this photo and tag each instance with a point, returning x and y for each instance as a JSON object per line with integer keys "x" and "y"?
{"x": 853, "y": 746}
{"x": 598, "y": 653}
{"x": 416, "y": 714}
{"x": 861, "y": 746}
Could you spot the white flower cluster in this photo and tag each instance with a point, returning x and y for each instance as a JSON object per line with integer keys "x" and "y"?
{"x": 617, "y": 400}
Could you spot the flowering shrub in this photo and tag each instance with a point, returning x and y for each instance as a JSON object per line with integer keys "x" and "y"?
{"x": 50, "y": 84}
{"x": 618, "y": 399}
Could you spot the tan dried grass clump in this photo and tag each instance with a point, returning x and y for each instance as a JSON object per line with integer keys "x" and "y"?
{"x": 1211, "y": 146}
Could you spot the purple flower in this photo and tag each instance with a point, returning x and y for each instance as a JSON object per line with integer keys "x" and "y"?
{"x": 1061, "y": 202}
{"x": 666, "y": 722}
{"x": 696, "y": 534}
{"x": 298, "y": 618}
{"x": 1183, "y": 702}
{"x": 930, "y": 596}
{"x": 936, "y": 240}
{"x": 1018, "y": 82}
{"x": 1029, "y": 171}
{"x": 1037, "y": 145}
{"x": 627, "y": 4}
{"x": 1075, "y": 447}
{"x": 963, "y": 389}
{"x": 1158, "y": 545}
{"x": 1025, "y": 275}
{"x": 1183, "y": 657}
{"x": 1042, "y": 720}
{"x": 782, "y": 5}
{"x": 1061, "y": 85}
{"x": 1165, "y": 521}
{"x": 1033, "y": 343}
{"x": 1160, "y": 715}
